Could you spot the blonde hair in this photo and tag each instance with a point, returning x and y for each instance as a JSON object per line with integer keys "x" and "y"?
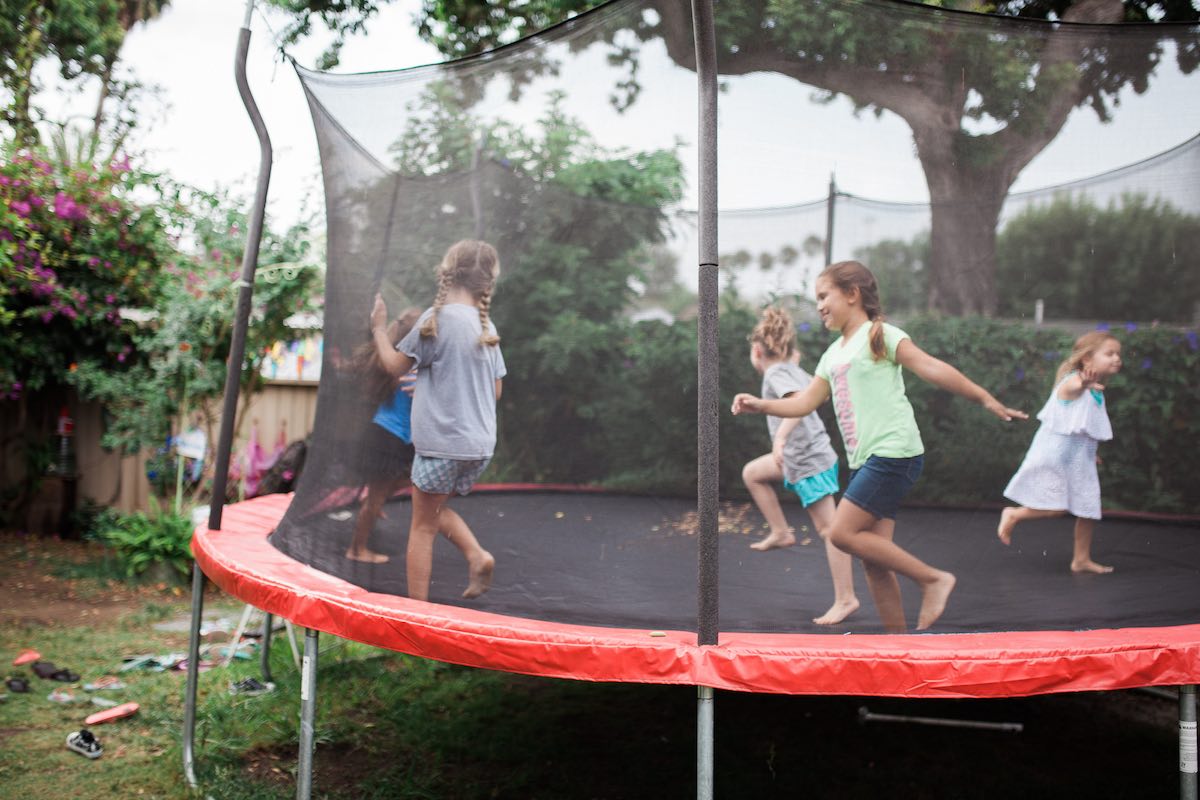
{"x": 470, "y": 265}
{"x": 1085, "y": 347}
{"x": 850, "y": 275}
{"x": 775, "y": 333}
{"x": 380, "y": 385}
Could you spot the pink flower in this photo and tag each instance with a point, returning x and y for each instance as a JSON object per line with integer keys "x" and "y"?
{"x": 20, "y": 208}
{"x": 66, "y": 207}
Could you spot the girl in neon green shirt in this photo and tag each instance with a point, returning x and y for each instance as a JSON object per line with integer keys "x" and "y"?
{"x": 861, "y": 372}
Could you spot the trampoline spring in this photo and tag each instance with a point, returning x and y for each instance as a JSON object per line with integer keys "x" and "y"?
{"x": 866, "y": 715}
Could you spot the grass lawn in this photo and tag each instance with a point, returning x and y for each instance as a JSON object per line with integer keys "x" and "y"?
{"x": 392, "y": 726}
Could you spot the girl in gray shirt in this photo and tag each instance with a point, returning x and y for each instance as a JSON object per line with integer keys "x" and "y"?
{"x": 801, "y": 457}
{"x": 456, "y": 352}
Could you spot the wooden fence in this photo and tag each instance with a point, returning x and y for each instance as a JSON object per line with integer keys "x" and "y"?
{"x": 284, "y": 409}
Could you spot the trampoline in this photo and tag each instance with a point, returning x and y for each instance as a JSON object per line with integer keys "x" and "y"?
{"x": 601, "y": 586}
{"x": 592, "y": 584}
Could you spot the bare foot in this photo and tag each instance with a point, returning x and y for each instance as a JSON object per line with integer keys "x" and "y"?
{"x": 838, "y": 612}
{"x": 1090, "y": 566}
{"x": 481, "y": 575}
{"x": 1008, "y": 521}
{"x": 785, "y": 538}
{"x": 933, "y": 600}
{"x": 367, "y": 556}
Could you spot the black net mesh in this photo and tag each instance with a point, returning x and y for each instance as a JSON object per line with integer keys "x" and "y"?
{"x": 1012, "y": 183}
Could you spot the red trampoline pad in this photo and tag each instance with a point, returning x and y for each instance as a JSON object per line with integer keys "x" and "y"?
{"x": 240, "y": 560}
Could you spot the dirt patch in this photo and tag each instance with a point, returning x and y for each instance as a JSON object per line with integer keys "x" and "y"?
{"x": 337, "y": 767}
{"x": 34, "y": 593}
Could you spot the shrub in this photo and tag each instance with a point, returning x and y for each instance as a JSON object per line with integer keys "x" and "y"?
{"x": 142, "y": 541}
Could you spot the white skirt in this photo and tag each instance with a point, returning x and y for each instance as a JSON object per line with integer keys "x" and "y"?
{"x": 1058, "y": 474}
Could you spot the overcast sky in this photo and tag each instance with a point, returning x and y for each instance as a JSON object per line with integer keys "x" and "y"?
{"x": 203, "y": 136}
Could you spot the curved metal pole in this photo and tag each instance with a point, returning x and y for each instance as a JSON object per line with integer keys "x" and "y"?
{"x": 237, "y": 347}
{"x": 707, "y": 377}
{"x": 237, "y": 353}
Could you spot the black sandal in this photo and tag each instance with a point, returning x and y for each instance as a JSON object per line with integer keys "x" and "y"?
{"x": 18, "y": 685}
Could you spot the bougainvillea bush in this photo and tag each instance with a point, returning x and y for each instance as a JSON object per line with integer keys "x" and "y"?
{"x": 75, "y": 248}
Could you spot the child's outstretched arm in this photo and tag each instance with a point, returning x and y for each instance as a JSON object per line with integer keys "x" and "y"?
{"x": 799, "y": 404}
{"x": 1075, "y": 385}
{"x": 396, "y": 363}
{"x": 944, "y": 376}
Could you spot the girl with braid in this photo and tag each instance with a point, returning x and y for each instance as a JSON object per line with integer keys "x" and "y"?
{"x": 801, "y": 457}
{"x": 861, "y": 371}
{"x": 456, "y": 352}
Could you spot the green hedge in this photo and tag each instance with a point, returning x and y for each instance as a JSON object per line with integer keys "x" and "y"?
{"x": 640, "y": 431}
{"x": 637, "y": 432}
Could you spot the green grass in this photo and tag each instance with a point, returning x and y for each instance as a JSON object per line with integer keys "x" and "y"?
{"x": 393, "y": 726}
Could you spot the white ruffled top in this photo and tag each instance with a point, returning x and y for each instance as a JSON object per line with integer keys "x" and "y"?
{"x": 1086, "y": 414}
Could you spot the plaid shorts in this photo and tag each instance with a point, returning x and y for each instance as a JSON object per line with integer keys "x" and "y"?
{"x": 446, "y": 475}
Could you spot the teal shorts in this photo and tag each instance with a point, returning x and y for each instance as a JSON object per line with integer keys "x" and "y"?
{"x": 814, "y": 487}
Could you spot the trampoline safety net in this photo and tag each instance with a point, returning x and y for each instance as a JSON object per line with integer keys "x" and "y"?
{"x": 1011, "y": 183}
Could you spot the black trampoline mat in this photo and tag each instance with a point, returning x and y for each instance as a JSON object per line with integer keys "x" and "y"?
{"x": 631, "y": 562}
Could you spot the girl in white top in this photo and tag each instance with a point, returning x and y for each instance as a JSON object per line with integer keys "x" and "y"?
{"x": 1058, "y": 476}
{"x": 456, "y": 351}
{"x": 861, "y": 372}
{"x": 801, "y": 457}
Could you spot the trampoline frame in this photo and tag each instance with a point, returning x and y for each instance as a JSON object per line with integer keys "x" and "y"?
{"x": 707, "y": 650}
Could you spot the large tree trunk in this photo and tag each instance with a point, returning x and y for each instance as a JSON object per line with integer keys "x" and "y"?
{"x": 962, "y": 247}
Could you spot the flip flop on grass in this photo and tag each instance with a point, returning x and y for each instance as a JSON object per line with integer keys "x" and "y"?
{"x": 26, "y": 656}
{"x": 47, "y": 670}
{"x": 110, "y": 714}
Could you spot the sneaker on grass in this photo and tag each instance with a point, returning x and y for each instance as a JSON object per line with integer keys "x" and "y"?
{"x": 84, "y": 743}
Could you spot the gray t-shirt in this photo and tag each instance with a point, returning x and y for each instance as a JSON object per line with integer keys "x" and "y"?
{"x": 454, "y": 405}
{"x": 808, "y": 450}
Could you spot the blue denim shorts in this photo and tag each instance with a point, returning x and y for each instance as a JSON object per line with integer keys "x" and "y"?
{"x": 814, "y": 487}
{"x": 446, "y": 475}
{"x": 881, "y": 483}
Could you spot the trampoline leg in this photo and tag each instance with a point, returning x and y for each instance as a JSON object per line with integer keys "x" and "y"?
{"x": 308, "y": 705}
{"x": 193, "y": 674}
{"x": 704, "y": 743}
{"x": 264, "y": 661}
{"x": 1187, "y": 742}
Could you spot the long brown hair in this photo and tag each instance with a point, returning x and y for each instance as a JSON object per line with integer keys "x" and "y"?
{"x": 850, "y": 275}
{"x": 378, "y": 384}
{"x": 775, "y": 333}
{"x": 470, "y": 265}
{"x": 1085, "y": 346}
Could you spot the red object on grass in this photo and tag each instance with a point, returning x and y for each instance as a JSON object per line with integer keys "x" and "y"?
{"x": 110, "y": 714}
{"x": 26, "y": 656}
